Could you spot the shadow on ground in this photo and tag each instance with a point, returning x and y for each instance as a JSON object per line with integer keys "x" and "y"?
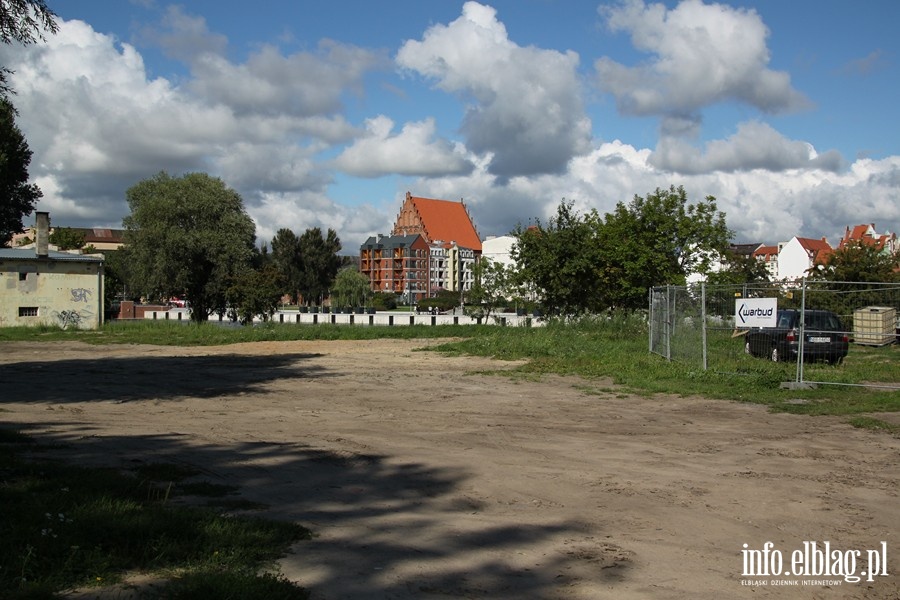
{"x": 153, "y": 377}
{"x": 391, "y": 520}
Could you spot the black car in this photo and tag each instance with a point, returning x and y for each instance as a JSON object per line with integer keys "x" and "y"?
{"x": 824, "y": 337}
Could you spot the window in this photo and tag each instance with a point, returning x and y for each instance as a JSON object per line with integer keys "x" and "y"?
{"x": 28, "y": 311}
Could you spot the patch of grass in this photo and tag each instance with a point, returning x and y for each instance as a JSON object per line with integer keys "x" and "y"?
{"x": 81, "y": 527}
{"x": 232, "y": 586}
{"x": 616, "y": 348}
{"x": 174, "y": 333}
{"x": 875, "y": 424}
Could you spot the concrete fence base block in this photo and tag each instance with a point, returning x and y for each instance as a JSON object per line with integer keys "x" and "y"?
{"x": 797, "y": 385}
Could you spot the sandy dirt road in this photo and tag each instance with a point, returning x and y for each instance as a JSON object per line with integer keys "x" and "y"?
{"x": 424, "y": 477}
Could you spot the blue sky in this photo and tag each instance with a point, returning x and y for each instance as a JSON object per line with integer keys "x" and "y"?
{"x": 326, "y": 114}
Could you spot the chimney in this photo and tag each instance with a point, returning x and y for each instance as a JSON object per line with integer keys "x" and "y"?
{"x": 42, "y": 233}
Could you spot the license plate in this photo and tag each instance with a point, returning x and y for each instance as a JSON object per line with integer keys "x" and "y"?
{"x": 819, "y": 340}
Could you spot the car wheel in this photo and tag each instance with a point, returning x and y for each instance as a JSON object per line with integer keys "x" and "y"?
{"x": 774, "y": 355}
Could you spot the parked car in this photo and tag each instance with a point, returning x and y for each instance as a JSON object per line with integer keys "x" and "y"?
{"x": 824, "y": 337}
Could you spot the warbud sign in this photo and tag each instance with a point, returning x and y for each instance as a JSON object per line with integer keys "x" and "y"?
{"x": 756, "y": 312}
{"x": 811, "y": 564}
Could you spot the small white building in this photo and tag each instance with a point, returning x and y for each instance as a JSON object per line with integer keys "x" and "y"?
{"x": 499, "y": 249}
{"x": 799, "y": 255}
{"x": 41, "y": 287}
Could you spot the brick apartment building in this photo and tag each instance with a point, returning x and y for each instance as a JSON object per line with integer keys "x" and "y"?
{"x": 433, "y": 246}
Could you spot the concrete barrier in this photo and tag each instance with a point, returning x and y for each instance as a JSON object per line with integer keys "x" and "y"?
{"x": 379, "y": 319}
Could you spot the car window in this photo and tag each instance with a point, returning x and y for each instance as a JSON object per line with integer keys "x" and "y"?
{"x": 785, "y": 320}
{"x": 823, "y": 322}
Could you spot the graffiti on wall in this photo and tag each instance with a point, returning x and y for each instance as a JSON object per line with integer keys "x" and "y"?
{"x": 68, "y": 317}
{"x": 81, "y": 295}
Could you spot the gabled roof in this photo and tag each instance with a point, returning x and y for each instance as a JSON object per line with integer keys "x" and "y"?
{"x": 865, "y": 234}
{"x": 745, "y": 249}
{"x": 818, "y": 250}
{"x": 766, "y": 252}
{"x": 447, "y": 221}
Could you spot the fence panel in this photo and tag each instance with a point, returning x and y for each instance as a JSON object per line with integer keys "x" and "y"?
{"x": 696, "y": 325}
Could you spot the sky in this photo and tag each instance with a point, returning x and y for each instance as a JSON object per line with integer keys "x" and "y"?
{"x": 327, "y": 114}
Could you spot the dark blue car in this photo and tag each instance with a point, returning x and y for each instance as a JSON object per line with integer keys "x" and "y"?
{"x": 823, "y": 337}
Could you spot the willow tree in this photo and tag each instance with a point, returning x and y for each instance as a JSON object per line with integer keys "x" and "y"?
{"x": 187, "y": 236}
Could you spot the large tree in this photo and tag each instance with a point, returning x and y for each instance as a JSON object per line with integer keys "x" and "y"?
{"x": 658, "y": 240}
{"x": 17, "y": 196}
{"x": 320, "y": 263}
{"x": 287, "y": 260}
{"x": 582, "y": 263}
{"x": 187, "y": 236}
{"x": 559, "y": 259}
{"x": 23, "y": 21}
{"x": 309, "y": 263}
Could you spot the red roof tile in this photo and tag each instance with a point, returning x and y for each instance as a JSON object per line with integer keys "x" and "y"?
{"x": 444, "y": 220}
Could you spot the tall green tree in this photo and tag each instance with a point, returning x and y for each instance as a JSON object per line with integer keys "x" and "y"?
{"x": 320, "y": 263}
{"x": 188, "y": 236}
{"x": 658, "y": 240}
{"x": 560, "y": 259}
{"x": 582, "y": 263}
{"x": 23, "y": 21}
{"x": 288, "y": 260}
{"x": 17, "y": 196}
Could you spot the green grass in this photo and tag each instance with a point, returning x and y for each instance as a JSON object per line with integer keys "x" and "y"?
{"x": 616, "y": 349}
{"x": 173, "y": 333}
{"x": 83, "y": 527}
{"x": 875, "y": 425}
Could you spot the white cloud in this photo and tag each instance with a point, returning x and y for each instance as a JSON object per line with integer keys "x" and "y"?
{"x": 755, "y": 146}
{"x": 703, "y": 54}
{"x": 298, "y": 211}
{"x": 414, "y": 151}
{"x": 97, "y": 124}
{"x": 760, "y": 205}
{"x": 528, "y": 112}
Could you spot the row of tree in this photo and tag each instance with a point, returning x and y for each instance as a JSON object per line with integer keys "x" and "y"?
{"x": 588, "y": 263}
{"x": 191, "y": 237}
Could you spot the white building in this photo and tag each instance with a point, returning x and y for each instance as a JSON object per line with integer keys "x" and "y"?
{"x": 42, "y": 287}
{"x": 799, "y": 255}
{"x": 498, "y": 249}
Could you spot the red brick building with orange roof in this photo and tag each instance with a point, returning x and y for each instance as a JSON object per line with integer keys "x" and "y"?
{"x": 438, "y": 220}
{"x": 433, "y": 247}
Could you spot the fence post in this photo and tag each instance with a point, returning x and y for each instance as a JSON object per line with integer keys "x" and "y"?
{"x": 703, "y": 318}
{"x": 670, "y": 320}
{"x": 802, "y": 331}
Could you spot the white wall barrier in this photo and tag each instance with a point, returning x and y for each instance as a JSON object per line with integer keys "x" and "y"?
{"x": 383, "y": 319}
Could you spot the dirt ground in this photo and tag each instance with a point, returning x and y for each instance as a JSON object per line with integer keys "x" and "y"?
{"x": 424, "y": 477}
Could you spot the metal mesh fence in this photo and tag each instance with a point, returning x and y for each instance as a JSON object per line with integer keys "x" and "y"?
{"x": 845, "y": 326}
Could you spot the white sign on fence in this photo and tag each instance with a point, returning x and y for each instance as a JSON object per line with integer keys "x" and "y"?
{"x": 756, "y": 312}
